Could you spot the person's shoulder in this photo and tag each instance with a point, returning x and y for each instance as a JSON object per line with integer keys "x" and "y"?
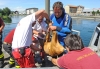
{"x": 87, "y": 49}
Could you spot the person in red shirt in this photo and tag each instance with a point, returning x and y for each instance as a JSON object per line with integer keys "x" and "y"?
{"x": 7, "y": 47}
{"x": 78, "y": 56}
{"x": 2, "y": 25}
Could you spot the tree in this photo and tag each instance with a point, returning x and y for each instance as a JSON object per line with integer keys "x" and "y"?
{"x": 4, "y": 14}
{"x": 0, "y": 12}
{"x": 6, "y": 11}
{"x": 93, "y": 13}
{"x": 7, "y": 19}
{"x": 98, "y": 12}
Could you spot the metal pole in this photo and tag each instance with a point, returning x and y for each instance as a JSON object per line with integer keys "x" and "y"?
{"x": 47, "y": 6}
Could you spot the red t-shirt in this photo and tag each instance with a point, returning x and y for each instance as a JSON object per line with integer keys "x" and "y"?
{"x": 81, "y": 59}
{"x": 9, "y": 37}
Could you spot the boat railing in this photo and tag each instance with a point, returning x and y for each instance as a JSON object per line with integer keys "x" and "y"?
{"x": 76, "y": 31}
{"x": 95, "y": 40}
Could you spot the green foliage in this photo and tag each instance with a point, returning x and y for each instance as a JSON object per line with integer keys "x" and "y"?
{"x": 93, "y": 13}
{"x": 6, "y": 11}
{"x": 7, "y": 19}
{"x": 98, "y": 12}
{"x": 0, "y": 10}
{"x": 4, "y": 14}
{"x": 1, "y": 15}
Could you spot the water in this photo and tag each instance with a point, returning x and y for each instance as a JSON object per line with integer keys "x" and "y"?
{"x": 85, "y": 26}
{"x": 9, "y": 26}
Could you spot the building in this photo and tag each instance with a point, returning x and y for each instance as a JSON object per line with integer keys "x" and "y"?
{"x": 22, "y": 12}
{"x": 89, "y": 11}
{"x": 80, "y": 9}
{"x": 31, "y": 10}
{"x": 73, "y": 10}
{"x": 16, "y": 12}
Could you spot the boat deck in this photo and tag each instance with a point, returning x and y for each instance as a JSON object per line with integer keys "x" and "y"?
{"x": 95, "y": 49}
{"x": 6, "y": 62}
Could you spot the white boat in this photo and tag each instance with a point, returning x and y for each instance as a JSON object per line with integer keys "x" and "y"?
{"x": 94, "y": 43}
{"x": 95, "y": 40}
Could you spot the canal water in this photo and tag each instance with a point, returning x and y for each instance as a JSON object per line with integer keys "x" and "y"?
{"x": 85, "y": 26}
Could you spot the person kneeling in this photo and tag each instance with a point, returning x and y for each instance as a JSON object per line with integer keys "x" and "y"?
{"x": 78, "y": 56}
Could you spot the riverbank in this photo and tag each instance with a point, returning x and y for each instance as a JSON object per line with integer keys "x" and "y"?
{"x": 86, "y": 17}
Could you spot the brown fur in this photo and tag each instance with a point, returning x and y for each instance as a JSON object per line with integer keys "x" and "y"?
{"x": 53, "y": 47}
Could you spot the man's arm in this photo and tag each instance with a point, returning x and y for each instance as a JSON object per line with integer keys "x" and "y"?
{"x": 35, "y": 32}
{"x": 40, "y": 35}
{"x": 2, "y": 25}
{"x": 42, "y": 13}
{"x": 68, "y": 27}
{"x": 54, "y": 61}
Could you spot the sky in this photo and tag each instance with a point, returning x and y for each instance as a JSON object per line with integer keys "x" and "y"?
{"x": 21, "y": 5}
